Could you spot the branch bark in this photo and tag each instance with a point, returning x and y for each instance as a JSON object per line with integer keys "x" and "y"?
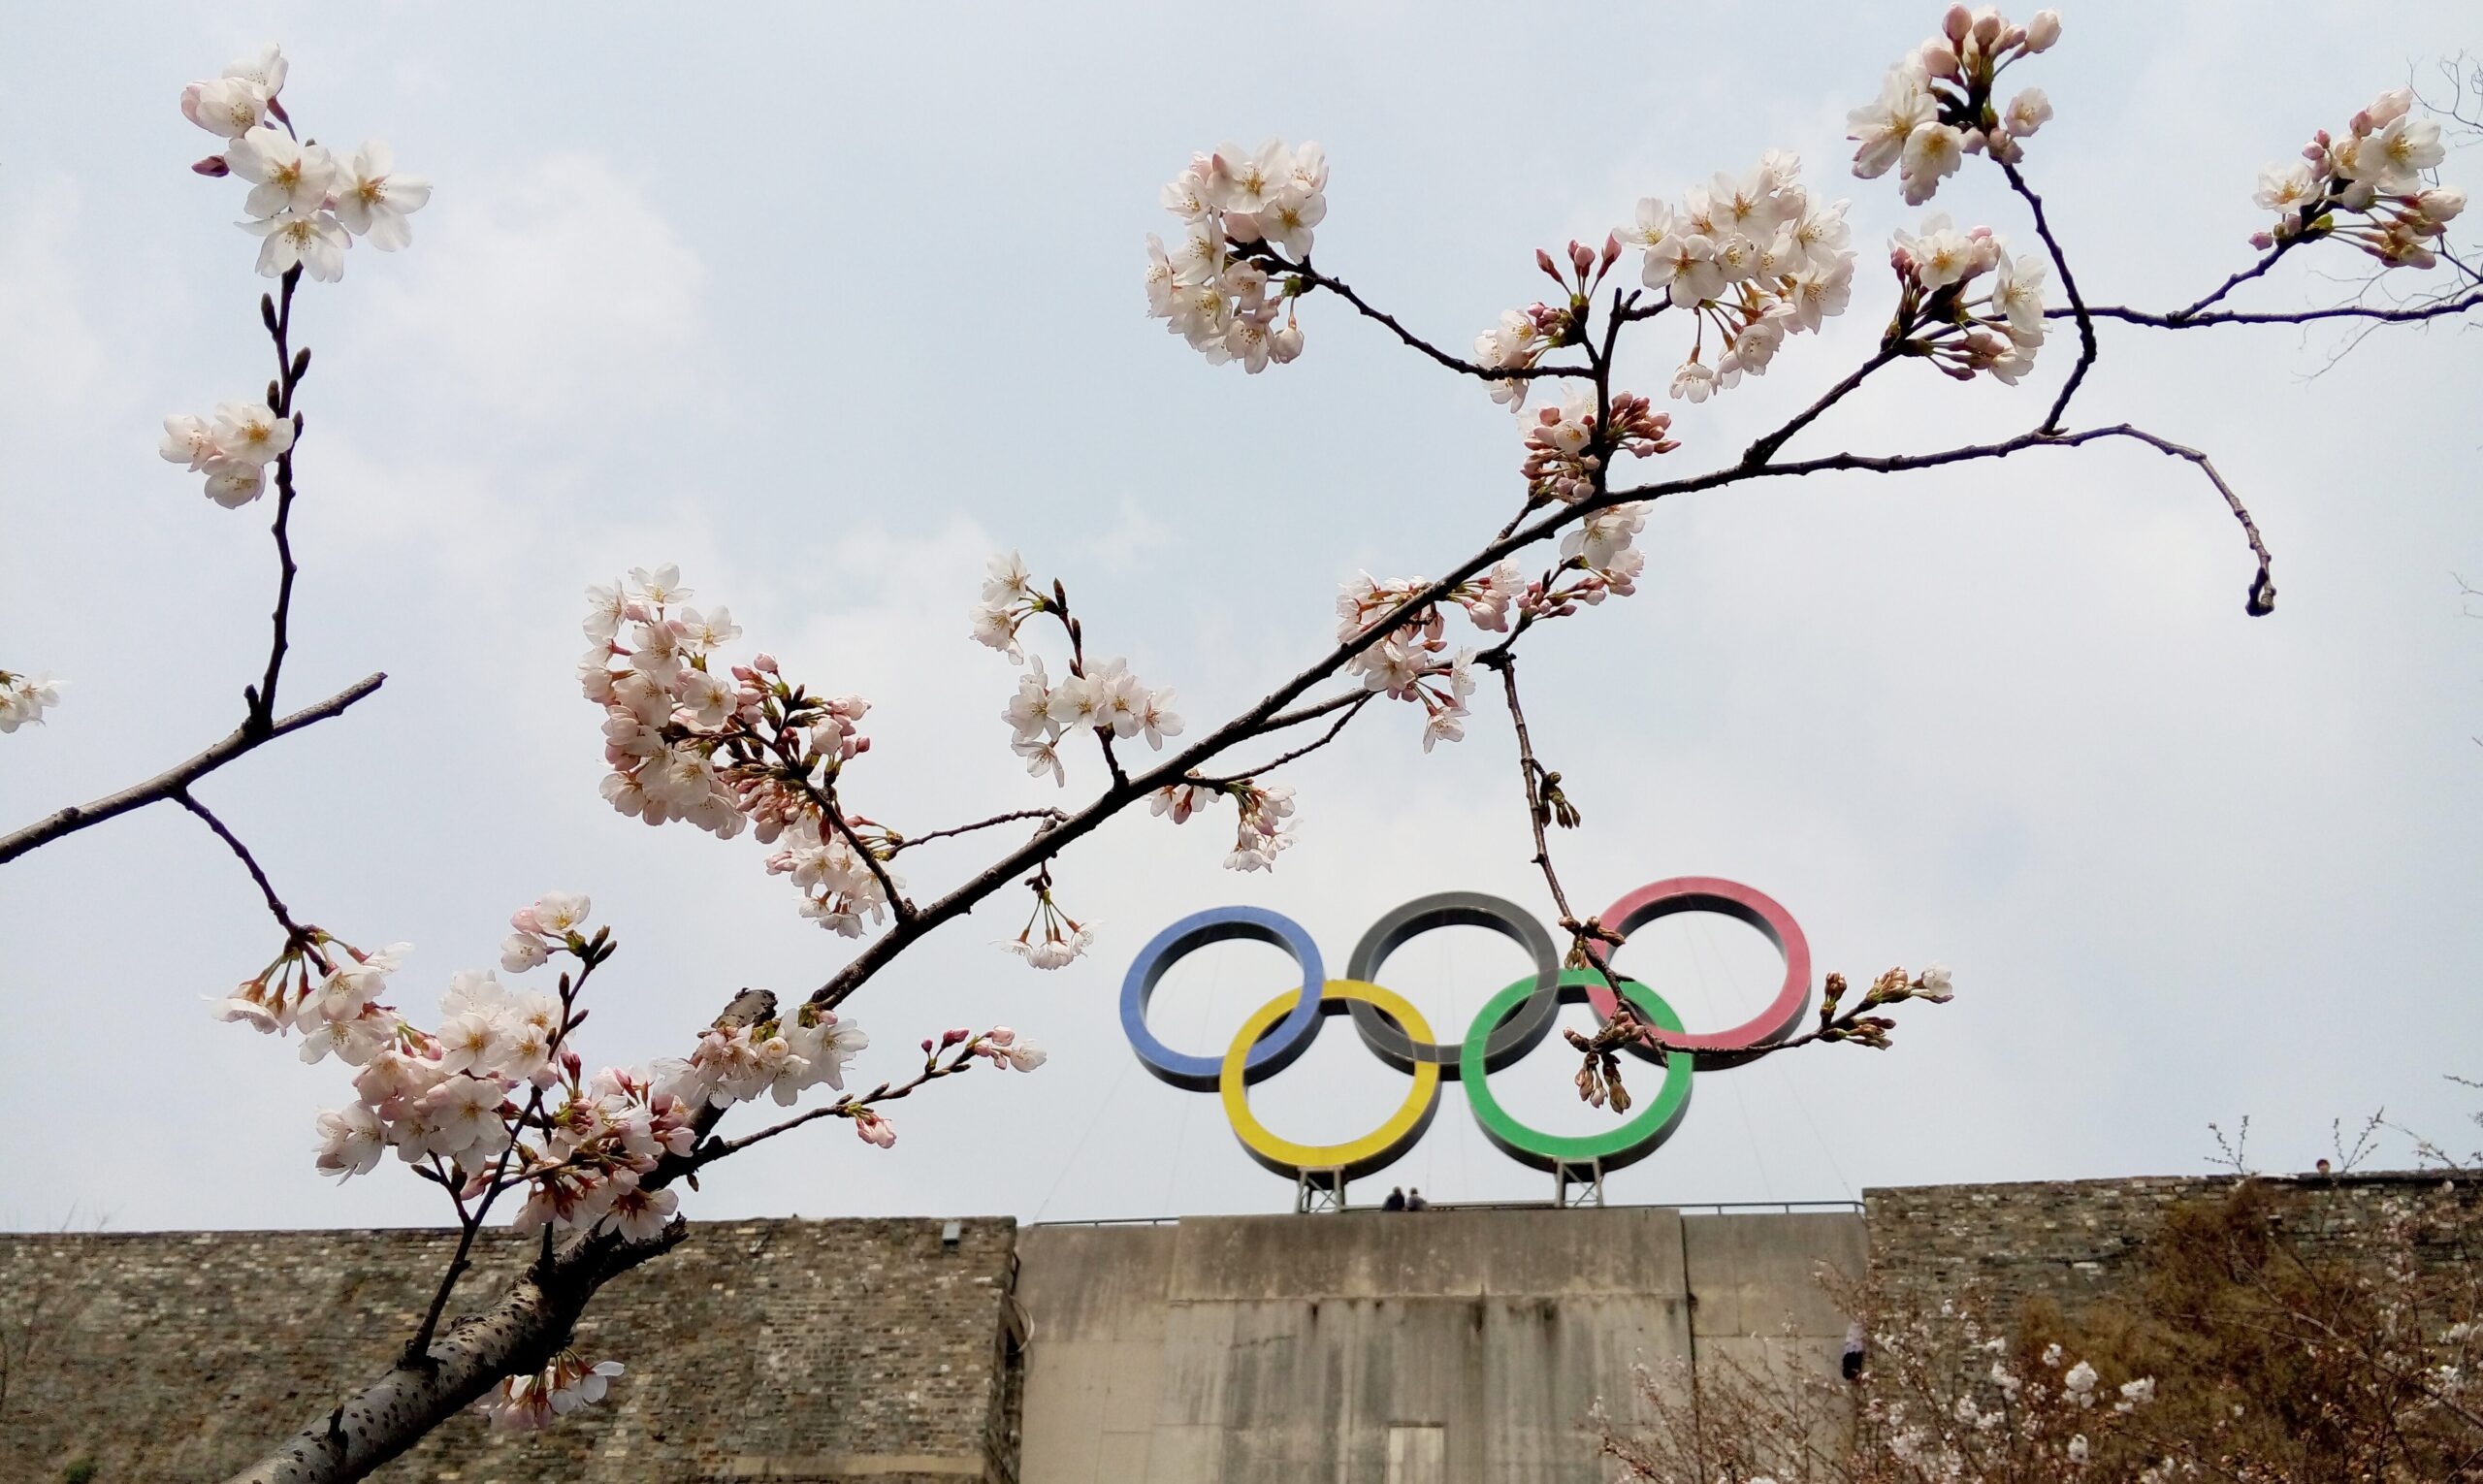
{"x": 170, "y": 783}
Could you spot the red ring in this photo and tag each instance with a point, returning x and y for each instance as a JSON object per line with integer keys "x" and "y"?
{"x": 1748, "y": 904}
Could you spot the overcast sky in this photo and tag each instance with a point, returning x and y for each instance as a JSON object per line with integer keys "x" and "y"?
{"x": 825, "y": 306}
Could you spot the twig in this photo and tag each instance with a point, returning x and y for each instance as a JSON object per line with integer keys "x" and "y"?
{"x": 1352, "y": 710}
{"x": 171, "y": 781}
{"x": 2183, "y": 319}
{"x": 295, "y": 934}
{"x": 1341, "y": 290}
{"x": 2086, "y": 349}
{"x": 278, "y": 318}
{"x": 1764, "y": 449}
{"x": 1050, "y": 816}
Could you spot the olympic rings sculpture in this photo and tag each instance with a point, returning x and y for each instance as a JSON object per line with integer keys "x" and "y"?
{"x": 1515, "y": 1021}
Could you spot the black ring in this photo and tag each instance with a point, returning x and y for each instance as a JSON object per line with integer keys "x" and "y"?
{"x": 1519, "y": 1032}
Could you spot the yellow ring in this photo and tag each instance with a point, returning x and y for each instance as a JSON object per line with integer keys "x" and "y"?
{"x": 1356, "y": 1156}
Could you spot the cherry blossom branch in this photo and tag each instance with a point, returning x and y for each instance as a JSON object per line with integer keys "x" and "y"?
{"x": 295, "y": 934}
{"x": 418, "y": 1348}
{"x": 961, "y": 1061}
{"x": 2086, "y": 348}
{"x": 171, "y": 781}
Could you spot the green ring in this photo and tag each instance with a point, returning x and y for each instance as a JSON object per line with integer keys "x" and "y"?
{"x": 1631, "y": 1142}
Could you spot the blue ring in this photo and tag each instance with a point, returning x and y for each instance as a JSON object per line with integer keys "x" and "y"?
{"x": 1287, "y": 1039}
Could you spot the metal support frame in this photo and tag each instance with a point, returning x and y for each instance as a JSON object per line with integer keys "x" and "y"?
{"x": 1585, "y": 1175}
{"x": 1318, "y": 1190}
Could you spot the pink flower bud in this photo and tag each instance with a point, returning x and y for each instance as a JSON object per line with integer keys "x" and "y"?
{"x": 2360, "y": 123}
{"x": 212, "y": 166}
{"x": 1611, "y": 249}
{"x": 1957, "y": 24}
{"x": 1580, "y": 258}
{"x": 525, "y": 920}
{"x": 1939, "y": 58}
{"x": 2043, "y": 30}
{"x": 949, "y": 1037}
{"x": 571, "y": 1064}
{"x": 1988, "y": 27}
{"x": 2262, "y": 240}
{"x": 1543, "y": 260}
{"x": 764, "y": 663}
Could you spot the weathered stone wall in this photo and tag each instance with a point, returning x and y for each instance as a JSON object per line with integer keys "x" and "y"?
{"x": 1450, "y": 1345}
{"x": 2074, "y": 1241}
{"x": 798, "y": 1350}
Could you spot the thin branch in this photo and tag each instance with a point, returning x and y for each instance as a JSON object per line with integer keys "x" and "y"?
{"x": 1343, "y": 290}
{"x": 290, "y": 369}
{"x": 2086, "y": 350}
{"x": 1351, "y": 710}
{"x": 171, "y": 781}
{"x": 961, "y": 1061}
{"x": 295, "y": 934}
{"x": 1050, "y": 816}
{"x": 897, "y": 903}
{"x": 1530, "y": 774}
{"x": 2183, "y": 319}
{"x": 1764, "y": 448}
{"x": 2252, "y": 271}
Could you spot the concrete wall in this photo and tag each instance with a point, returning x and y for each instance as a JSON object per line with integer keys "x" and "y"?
{"x": 1375, "y": 1346}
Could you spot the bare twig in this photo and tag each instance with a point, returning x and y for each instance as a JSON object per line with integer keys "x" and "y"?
{"x": 1351, "y": 710}
{"x": 2185, "y": 319}
{"x": 908, "y": 842}
{"x": 1341, "y": 290}
{"x": 295, "y": 934}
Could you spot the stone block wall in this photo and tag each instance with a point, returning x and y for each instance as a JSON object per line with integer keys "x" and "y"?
{"x": 2074, "y": 1241}
{"x": 832, "y": 1352}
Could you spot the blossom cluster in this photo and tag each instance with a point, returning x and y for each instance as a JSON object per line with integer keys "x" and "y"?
{"x": 233, "y": 450}
{"x": 1103, "y": 697}
{"x": 721, "y": 751}
{"x": 1523, "y": 336}
{"x": 24, "y": 698}
{"x": 1963, "y": 332}
{"x": 1411, "y": 662}
{"x": 1260, "y": 832}
{"x": 1565, "y": 458}
{"x": 1755, "y": 258}
{"x": 1241, "y": 214}
{"x": 1516, "y": 343}
{"x": 1935, "y": 105}
{"x": 305, "y": 205}
{"x": 529, "y": 1401}
{"x": 2376, "y": 168}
